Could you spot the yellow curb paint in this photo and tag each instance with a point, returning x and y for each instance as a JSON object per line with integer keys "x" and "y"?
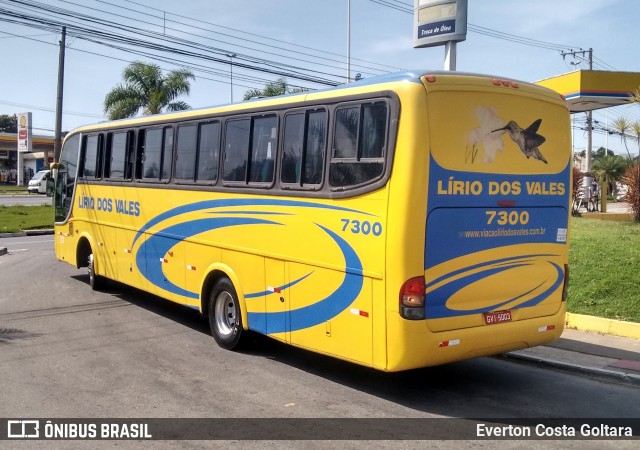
{"x": 605, "y": 326}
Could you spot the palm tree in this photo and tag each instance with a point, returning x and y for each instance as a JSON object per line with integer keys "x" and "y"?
{"x": 635, "y": 128}
{"x": 273, "y": 89}
{"x": 146, "y": 88}
{"x": 609, "y": 169}
{"x": 621, "y": 126}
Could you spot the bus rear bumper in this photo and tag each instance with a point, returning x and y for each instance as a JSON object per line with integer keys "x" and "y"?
{"x": 412, "y": 345}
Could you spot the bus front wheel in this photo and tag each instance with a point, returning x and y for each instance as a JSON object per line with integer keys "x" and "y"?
{"x": 95, "y": 281}
{"x": 224, "y": 315}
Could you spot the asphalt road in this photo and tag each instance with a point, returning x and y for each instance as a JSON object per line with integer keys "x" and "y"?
{"x": 25, "y": 200}
{"x": 66, "y": 351}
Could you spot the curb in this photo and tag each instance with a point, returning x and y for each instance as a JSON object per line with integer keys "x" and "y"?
{"x": 27, "y": 233}
{"x": 38, "y": 232}
{"x": 603, "y": 326}
{"x": 597, "y": 373}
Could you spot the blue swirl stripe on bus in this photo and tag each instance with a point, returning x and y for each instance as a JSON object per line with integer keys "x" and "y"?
{"x": 279, "y": 288}
{"x": 325, "y": 309}
{"x": 157, "y": 245}
{"x": 523, "y": 258}
{"x": 437, "y": 298}
{"x": 222, "y": 203}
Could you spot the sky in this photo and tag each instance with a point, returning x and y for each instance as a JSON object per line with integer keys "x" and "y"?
{"x": 305, "y": 39}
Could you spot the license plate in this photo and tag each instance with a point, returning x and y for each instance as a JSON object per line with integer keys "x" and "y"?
{"x": 492, "y": 318}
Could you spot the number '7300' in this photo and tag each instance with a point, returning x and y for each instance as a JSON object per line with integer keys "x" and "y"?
{"x": 507, "y": 217}
{"x": 362, "y": 227}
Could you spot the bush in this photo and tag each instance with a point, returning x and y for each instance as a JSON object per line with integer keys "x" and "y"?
{"x": 632, "y": 180}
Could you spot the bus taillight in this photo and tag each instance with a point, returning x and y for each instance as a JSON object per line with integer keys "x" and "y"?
{"x": 412, "y": 299}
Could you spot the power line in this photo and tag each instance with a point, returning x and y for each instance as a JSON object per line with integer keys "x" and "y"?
{"x": 246, "y": 33}
{"x": 42, "y": 108}
{"x": 160, "y": 42}
{"x": 244, "y": 40}
{"x": 193, "y": 66}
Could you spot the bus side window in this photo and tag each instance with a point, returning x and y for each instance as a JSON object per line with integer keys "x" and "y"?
{"x": 208, "y": 151}
{"x": 140, "y": 153}
{"x": 304, "y": 147}
{"x": 152, "y": 154}
{"x": 359, "y": 145}
{"x": 186, "y": 152}
{"x": 130, "y": 155}
{"x": 292, "y": 148}
{"x": 236, "y": 150}
{"x": 166, "y": 162}
{"x": 118, "y": 156}
{"x": 92, "y": 156}
{"x": 106, "y": 157}
{"x": 263, "y": 148}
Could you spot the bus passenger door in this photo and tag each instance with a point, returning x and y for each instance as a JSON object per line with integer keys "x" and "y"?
{"x": 276, "y": 300}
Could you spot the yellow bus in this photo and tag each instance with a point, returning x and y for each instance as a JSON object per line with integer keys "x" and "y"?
{"x": 403, "y": 221}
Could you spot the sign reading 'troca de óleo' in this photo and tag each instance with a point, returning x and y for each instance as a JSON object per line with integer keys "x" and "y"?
{"x": 436, "y": 22}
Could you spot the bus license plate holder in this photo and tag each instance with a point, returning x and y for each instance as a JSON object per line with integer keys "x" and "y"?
{"x": 494, "y": 317}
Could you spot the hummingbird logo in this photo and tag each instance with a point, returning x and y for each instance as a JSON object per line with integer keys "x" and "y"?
{"x": 527, "y": 139}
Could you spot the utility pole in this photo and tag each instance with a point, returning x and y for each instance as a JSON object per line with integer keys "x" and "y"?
{"x": 57, "y": 140}
{"x": 348, "y": 41}
{"x": 588, "y": 177}
{"x": 231, "y": 56}
{"x": 589, "y": 54}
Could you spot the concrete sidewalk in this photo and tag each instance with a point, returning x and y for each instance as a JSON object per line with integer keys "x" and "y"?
{"x": 609, "y": 358}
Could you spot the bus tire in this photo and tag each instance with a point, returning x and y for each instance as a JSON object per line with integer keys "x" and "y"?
{"x": 95, "y": 281}
{"x": 224, "y": 316}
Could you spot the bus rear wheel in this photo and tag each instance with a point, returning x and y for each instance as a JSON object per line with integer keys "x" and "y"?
{"x": 224, "y": 316}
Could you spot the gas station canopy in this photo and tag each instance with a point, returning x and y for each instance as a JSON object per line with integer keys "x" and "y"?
{"x": 587, "y": 90}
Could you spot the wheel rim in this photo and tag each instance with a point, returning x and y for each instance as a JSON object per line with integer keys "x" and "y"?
{"x": 91, "y": 272}
{"x": 225, "y": 314}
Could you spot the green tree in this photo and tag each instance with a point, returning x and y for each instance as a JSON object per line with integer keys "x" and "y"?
{"x": 146, "y": 88}
{"x": 8, "y": 124}
{"x": 273, "y": 89}
{"x": 602, "y": 152}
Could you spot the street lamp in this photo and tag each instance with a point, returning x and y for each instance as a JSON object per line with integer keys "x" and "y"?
{"x": 231, "y": 56}
{"x": 348, "y": 41}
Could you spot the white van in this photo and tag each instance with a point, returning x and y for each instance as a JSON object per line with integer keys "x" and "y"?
{"x": 38, "y": 184}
